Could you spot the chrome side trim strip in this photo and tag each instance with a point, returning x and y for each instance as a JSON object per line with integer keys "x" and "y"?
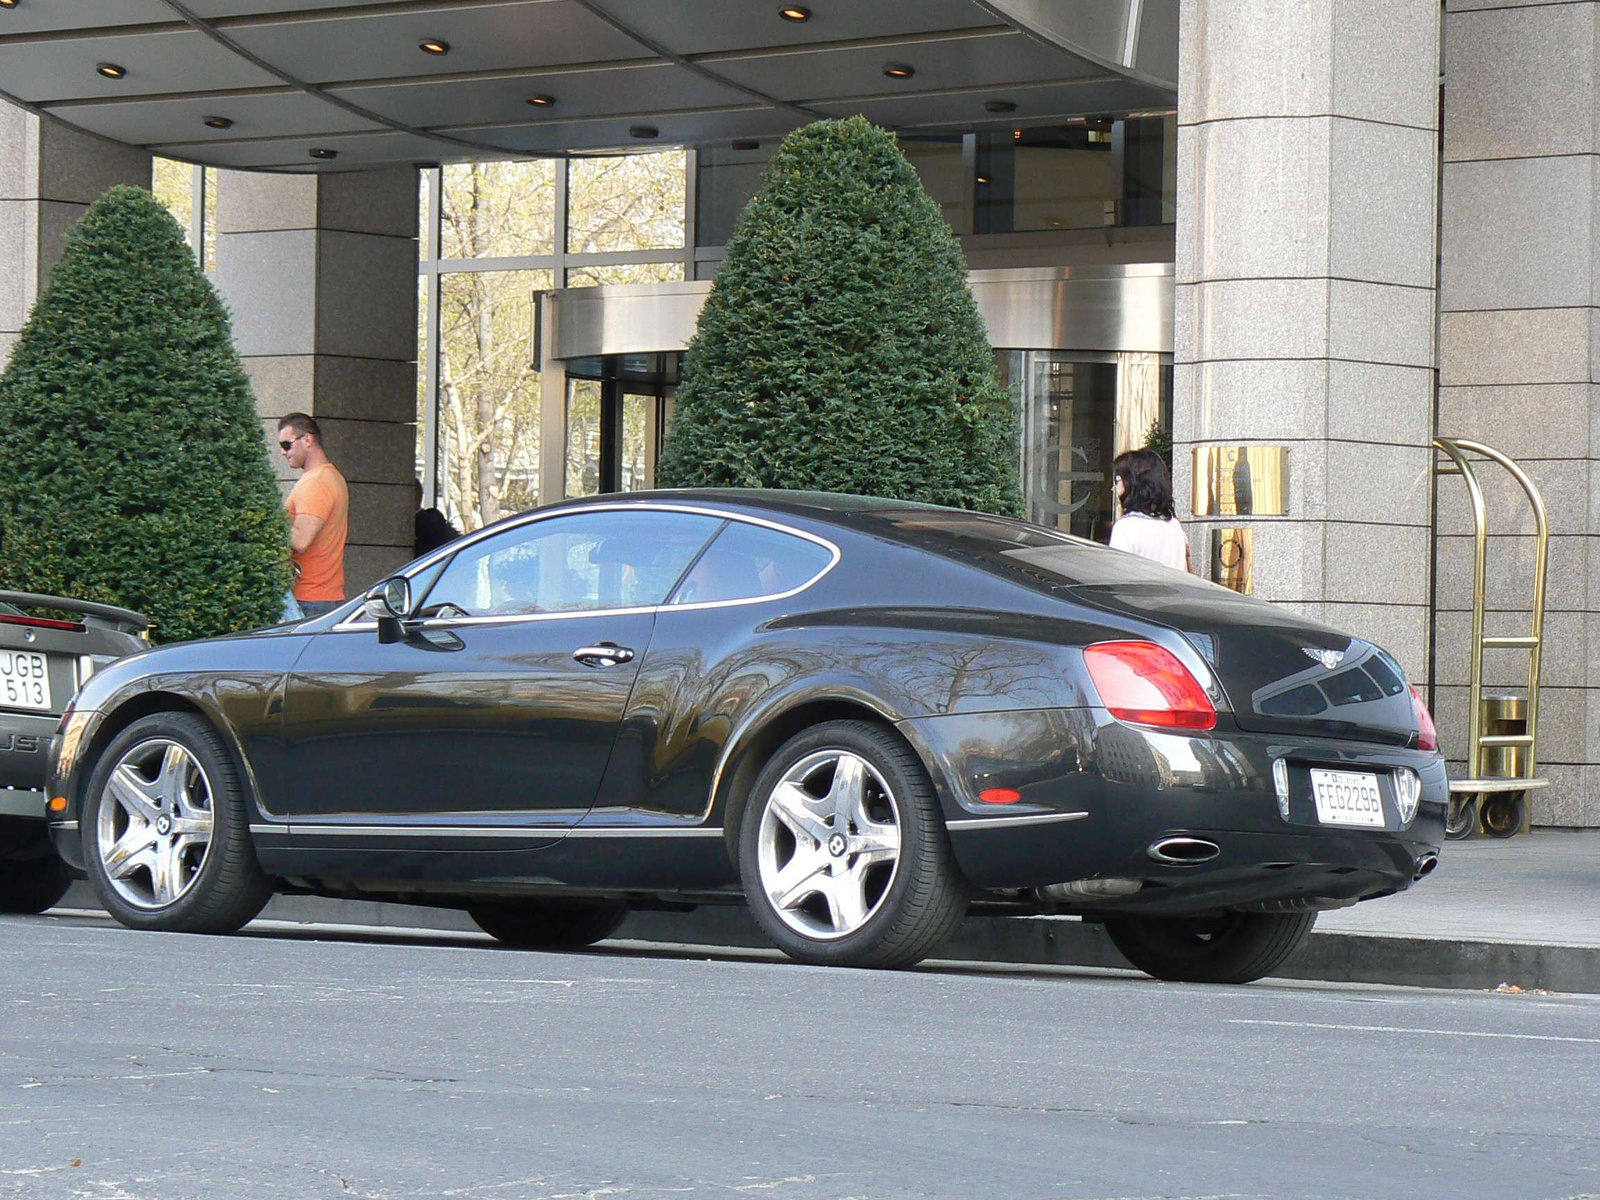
{"x": 522, "y": 832}
{"x": 1013, "y": 822}
{"x": 69, "y": 826}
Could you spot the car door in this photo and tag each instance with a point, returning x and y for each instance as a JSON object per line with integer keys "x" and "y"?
{"x": 500, "y": 704}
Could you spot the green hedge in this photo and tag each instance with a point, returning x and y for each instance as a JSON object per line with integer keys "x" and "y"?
{"x": 132, "y": 467}
{"x": 840, "y": 348}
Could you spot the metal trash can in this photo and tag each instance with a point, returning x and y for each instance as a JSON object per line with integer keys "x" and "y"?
{"x": 1502, "y": 814}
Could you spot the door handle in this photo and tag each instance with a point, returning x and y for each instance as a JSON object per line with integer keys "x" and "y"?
{"x": 606, "y": 654}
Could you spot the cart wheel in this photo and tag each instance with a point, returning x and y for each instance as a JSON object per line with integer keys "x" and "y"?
{"x": 1502, "y": 814}
{"x": 1462, "y": 818}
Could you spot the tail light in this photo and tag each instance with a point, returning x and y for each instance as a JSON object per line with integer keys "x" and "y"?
{"x": 41, "y": 622}
{"x": 1427, "y": 735}
{"x": 1145, "y": 684}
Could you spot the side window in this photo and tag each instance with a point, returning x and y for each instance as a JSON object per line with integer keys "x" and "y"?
{"x": 577, "y": 563}
{"x": 750, "y": 560}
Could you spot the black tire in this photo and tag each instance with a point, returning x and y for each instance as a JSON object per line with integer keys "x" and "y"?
{"x": 32, "y": 878}
{"x": 228, "y": 888}
{"x": 550, "y": 924}
{"x": 1461, "y": 817}
{"x": 1234, "y": 947}
{"x": 1501, "y": 813}
{"x": 921, "y": 901}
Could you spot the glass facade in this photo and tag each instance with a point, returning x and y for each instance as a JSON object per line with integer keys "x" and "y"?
{"x": 190, "y": 194}
{"x": 495, "y": 234}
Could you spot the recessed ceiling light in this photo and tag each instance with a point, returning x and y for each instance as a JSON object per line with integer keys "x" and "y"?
{"x": 540, "y": 100}
{"x": 8, "y": 3}
{"x": 322, "y": 152}
{"x": 795, "y": 13}
{"x": 433, "y": 46}
{"x": 111, "y": 70}
{"x": 899, "y": 70}
{"x": 983, "y": 179}
{"x": 643, "y": 131}
{"x": 999, "y": 106}
{"x": 218, "y": 122}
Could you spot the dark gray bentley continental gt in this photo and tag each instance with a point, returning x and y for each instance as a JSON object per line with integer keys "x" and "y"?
{"x": 857, "y": 716}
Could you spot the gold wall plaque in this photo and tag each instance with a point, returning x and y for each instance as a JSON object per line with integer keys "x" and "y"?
{"x": 1233, "y": 556}
{"x": 1241, "y": 481}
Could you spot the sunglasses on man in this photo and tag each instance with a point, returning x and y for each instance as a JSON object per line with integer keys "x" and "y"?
{"x": 285, "y": 445}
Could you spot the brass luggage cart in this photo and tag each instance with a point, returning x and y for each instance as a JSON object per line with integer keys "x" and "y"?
{"x": 1493, "y": 797}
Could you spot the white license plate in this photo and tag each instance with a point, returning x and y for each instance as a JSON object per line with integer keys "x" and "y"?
{"x": 24, "y": 680}
{"x": 1347, "y": 798}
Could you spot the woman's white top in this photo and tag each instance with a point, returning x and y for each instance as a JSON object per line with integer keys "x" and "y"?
{"x": 1157, "y": 538}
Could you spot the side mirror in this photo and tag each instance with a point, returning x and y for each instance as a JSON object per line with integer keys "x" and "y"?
{"x": 389, "y": 603}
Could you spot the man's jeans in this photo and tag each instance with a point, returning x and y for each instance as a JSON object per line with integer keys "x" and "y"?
{"x": 317, "y": 608}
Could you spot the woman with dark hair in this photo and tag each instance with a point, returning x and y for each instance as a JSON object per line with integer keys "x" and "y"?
{"x": 1148, "y": 526}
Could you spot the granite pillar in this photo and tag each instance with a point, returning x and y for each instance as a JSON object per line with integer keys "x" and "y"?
{"x": 320, "y": 272}
{"x": 49, "y": 175}
{"x": 1519, "y": 357}
{"x": 1305, "y": 296}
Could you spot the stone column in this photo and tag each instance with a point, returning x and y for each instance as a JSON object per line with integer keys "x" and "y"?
{"x": 1305, "y": 292}
{"x": 48, "y": 175}
{"x": 320, "y": 272}
{"x": 1519, "y": 354}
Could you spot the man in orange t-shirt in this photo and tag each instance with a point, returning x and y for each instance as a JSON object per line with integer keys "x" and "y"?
{"x": 319, "y": 516}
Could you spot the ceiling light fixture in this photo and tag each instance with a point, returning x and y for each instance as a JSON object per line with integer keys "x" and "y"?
{"x": 110, "y": 70}
{"x": 983, "y": 179}
{"x": 8, "y": 3}
{"x": 643, "y": 131}
{"x": 433, "y": 46}
{"x": 1016, "y": 135}
{"x": 540, "y": 100}
{"x": 323, "y": 152}
{"x": 795, "y": 13}
{"x": 217, "y": 122}
{"x": 999, "y": 106}
{"x": 899, "y": 70}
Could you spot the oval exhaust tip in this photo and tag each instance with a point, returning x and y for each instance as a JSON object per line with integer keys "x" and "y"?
{"x": 1183, "y": 851}
{"x": 1425, "y": 867}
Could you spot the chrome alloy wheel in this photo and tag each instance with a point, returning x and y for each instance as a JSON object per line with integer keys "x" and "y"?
{"x": 155, "y": 823}
{"x": 829, "y": 844}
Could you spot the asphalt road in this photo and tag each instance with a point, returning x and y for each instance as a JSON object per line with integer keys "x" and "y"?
{"x": 314, "y": 1064}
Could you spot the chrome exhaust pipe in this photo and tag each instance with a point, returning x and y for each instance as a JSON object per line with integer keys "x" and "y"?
{"x": 1425, "y": 867}
{"x": 1089, "y": 889}
{"x": 1183, "y": 851}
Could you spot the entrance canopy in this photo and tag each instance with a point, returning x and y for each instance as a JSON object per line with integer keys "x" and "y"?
{"x": 340, "y": 84}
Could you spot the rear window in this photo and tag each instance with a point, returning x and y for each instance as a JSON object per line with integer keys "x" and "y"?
{"x": 1053, "y": 557}
{"x": 746, "y": 561}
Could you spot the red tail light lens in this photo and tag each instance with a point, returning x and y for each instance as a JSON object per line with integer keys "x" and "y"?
{"x": 1145, "y": 684}
{"x": 1427, "y": 735}
{"x": 41, "y": 622}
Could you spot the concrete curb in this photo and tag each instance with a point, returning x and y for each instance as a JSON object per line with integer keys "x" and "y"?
{"x": 1041, "y": 941}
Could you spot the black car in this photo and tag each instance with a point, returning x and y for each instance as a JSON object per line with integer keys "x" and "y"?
{"x": 48, "y": 646}
{"x": 858, "y": 716}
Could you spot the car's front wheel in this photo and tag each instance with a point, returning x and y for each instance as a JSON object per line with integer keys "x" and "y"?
{"x": 550, "y": 924}
{"x": 1232, "y": 947}
{"x": 165, "y": 830}
{"x": 844, "y": 854}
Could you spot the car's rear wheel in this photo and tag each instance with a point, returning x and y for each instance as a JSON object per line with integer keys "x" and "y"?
{"x": 550, "y": 924}
{"x": 166, "y": 837}
{"x": 32, "y": 878}
{"x": 844, "y": 853}
{"x": 1231, "y": 947}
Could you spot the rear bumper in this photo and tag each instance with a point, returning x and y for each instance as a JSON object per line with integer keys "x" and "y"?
{"x": 1096, "y": 795}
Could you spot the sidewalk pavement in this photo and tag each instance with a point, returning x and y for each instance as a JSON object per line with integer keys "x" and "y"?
{"x": 1523, "y": 912}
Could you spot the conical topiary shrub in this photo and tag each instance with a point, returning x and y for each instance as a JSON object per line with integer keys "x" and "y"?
{"x": 840, "y": 348}
{"x": 132, "y": 468}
